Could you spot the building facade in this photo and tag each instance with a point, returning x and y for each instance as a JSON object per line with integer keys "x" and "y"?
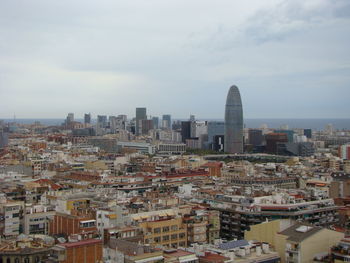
{"x": 233, "y": 122}
{"x": 140, "y": 115}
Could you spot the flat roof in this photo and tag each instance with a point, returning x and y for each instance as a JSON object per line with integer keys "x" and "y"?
{"x": 81, "y": 243}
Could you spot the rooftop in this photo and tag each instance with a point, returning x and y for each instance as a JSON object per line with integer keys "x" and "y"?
{"x": 81, "y": 243}
{"x": 300, "y": 231}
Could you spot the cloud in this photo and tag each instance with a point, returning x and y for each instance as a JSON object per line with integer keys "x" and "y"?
{"x": 176, "y": 56}
{"x": 276, "y": 23}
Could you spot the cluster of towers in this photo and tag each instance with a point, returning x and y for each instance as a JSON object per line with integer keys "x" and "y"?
{"x": 232, "y": 127}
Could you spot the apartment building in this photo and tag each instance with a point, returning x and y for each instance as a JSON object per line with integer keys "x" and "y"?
{"x": 203, "y": 226}
{"x": 341, "y": 251}
{"x": 168, "y": 232}
{"x": 87, "y": 251}
{"x": 36, "y": 219}
{"x": 301, "y": 242}
{"x": 10, "y": 218}
{"x": 236, "y": 219}
{"x": 82, "y": 224}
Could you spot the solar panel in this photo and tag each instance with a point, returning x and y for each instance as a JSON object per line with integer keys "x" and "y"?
{"x": 233, "y": 244}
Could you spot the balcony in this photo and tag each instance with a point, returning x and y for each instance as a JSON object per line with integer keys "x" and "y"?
{"x": 292, "y": 250}
{"x": 339, "y": 250}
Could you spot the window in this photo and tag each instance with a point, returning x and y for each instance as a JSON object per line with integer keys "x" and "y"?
{"x": 166, "y": 229}
{"x": 174, "y": 236}
{"x": 174, "y": 228}
{"x": 182, "y": 244}
{"x": 156, "y": 230}
{"x": 157, "y": 239}
{"x": 182, "y": 235}
{"x": 165, "y": 238}
{"x": 88, "y": 224}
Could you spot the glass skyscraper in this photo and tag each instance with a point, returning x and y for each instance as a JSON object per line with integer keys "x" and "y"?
{"x": 233, "y": 122}
{"x": 166, "y": 121}
{"x": 140, "y": 115}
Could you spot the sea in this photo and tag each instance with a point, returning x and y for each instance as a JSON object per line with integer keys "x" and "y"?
{"x": 315, "y": 124}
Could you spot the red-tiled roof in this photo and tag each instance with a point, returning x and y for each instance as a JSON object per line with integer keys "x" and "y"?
{"x": 213, "y": 257}
{"x": 179, "y": 253}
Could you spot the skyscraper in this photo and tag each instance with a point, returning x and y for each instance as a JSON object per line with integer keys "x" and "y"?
{"x": 102, "y": 121}
{"x": 140, "y": 115}
{"x": 87, "y": 118}
{"x": 215, "y": 128}
{"x": 166, "y": 123}
{"x": 233, "y": 122}
{"x": 3, "y": 139}
{"x": 155, "y": 122}
{"x": 185, "y": 130}
{"x": 255, "y": 137}
{"x": 146, "y": 126}
{"x": 70, "y": 118}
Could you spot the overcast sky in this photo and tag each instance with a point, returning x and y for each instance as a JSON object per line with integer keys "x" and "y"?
{"x": 290, "y": 59}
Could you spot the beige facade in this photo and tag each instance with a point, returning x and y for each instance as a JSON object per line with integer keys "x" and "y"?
{"x": 264, "y": 232}
{"x": 305, "y": 250}
{"x": 214, "y": 226}
{"x": 11, "y": 213}
{"x": 169, "y": 233}
{"x": 37, "y": 222}
{"x": 291, "y": 243}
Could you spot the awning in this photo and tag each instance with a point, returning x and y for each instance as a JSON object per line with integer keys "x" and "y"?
{"x": 151, "y": 259}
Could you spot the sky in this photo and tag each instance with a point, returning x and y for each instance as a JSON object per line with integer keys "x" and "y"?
{"x": 289, "y": 58}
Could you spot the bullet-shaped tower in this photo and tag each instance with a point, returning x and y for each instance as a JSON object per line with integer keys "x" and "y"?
{"x": 233, "y": 122}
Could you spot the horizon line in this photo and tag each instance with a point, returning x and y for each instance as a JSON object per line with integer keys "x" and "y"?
{"x": 180, "y": 118}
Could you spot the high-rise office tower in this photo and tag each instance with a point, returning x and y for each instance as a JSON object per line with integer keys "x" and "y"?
{"x": 233, "y": 122}
{"x": 146, "y": 126}
{"x": 166, "y": 121}
{"x": 185, "y": 130}
{"x": 215, "y": 128}
{"x": 102, "y": 121}
{"x": 123, "y": 117}
{"x": 255, "y": 137}
{"x": 155, "y": 122}
{"x": 308, "y": 133}
{"x": 140, "y": 115}
{"x": 3, "y": 139}
{"x": 290, "y": 133}
{"x": 272, "y": 141}
{"x": 70, "y": 118}
{"x": 87, "y": 118}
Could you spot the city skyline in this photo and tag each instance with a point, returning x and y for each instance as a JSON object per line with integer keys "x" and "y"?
{"x": 289, "y": 58}
{"x": 174, "y": 131}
